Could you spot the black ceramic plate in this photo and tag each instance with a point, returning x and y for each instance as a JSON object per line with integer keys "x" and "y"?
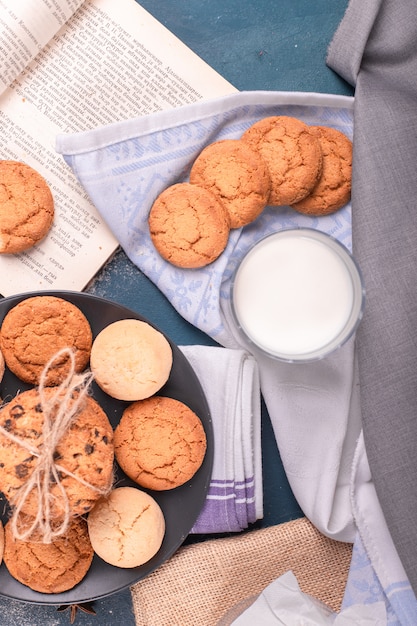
{"x": 181, "y": 506}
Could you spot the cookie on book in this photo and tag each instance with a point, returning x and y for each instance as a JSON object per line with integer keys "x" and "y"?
{"x": 49, "y": 567}
{"x": 160, "y": 443}
{"x": 333, "y": 188}
{"x": 188, "y": 225}
{"x": 237, "y": 175}
{"x": 131, "y": 359}
{"x": 292, "y": 153}
{"x": 127, "y": 527}
{"x": 26, "y": 207}
{"x": 83, "y": 456}
{"x": 36, "y": 329}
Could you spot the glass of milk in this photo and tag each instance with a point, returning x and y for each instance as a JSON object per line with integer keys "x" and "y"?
{"x": 298, "y": 295}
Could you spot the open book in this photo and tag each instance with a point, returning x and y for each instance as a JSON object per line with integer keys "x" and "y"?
{"x": 69, "y": 66}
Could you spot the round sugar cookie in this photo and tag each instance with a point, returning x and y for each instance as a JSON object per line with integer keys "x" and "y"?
{"x": 188, "y": 225}
{"x": 130, "y": 360}
{"x": 333, "y": 188}
{"x": 36, "y": 329}
{"x": 160, "y": 443}
{"x": 85, "y": 453}
{"x": 127, "y": 527}
{"x": 26, "y": 207}
{"x": 237, "y": 175}
{"x": 49, "y": 567}
{"x": 292, "y": 154}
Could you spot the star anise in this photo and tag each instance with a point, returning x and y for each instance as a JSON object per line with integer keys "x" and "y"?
{"x": 73, "y": 608}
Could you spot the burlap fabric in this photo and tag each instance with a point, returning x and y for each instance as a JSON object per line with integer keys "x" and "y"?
{"x": 203, "y": 581}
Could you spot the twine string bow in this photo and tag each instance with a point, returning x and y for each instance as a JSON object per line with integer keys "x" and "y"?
{"x": 59, "y": 409}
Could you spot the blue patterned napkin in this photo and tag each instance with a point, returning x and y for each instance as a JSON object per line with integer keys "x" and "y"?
{"x": 124, "y": 167}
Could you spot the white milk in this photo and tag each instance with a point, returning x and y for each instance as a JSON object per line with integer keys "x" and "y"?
{"x": 294, "y": 294}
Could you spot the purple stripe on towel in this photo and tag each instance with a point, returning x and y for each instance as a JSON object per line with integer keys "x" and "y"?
{"x": 229, "y": 507}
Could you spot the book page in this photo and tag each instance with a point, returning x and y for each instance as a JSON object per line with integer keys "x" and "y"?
{"x": 111, "y": 61}
{"x": 25, "y": 27}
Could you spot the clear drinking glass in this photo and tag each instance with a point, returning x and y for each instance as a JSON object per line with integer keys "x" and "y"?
{"x": 297, "y": 295}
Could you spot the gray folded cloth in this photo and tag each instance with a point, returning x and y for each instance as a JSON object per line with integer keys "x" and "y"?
{"x": 375, "y": 49}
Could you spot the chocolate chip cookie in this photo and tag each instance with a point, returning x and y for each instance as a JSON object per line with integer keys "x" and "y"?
{"x": 84, "y": 453}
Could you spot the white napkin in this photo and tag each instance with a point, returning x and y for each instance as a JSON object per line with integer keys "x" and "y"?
{"x": 282, "y": 603}
{"x": 230, "y": 381}
{"x": 124, "y": 166}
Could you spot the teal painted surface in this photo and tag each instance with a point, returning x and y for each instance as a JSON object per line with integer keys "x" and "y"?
{"x": 262, "y": 44}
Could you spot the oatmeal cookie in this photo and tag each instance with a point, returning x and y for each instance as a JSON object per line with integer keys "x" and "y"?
{"x": 333, "y": 188}
{"x": 50, "y": 567}
{"x": 237, "y": 175}
{"x": 292, "y": 153}
{"x": 26, "y": 207}
{"x": 39, "y": 327}
{"x": 188, "y": 225}
{"x": 160, "y": 443}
